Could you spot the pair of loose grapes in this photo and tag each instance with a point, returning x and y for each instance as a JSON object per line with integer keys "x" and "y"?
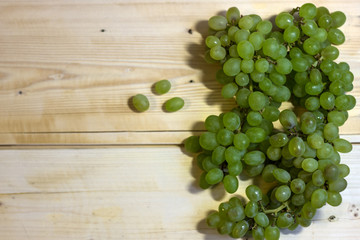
{"x": 141, "y": 102}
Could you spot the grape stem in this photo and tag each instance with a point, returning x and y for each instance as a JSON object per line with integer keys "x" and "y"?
{"x": 276, "y": 210}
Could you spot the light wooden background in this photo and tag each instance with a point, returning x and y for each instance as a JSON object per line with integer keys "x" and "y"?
{"x": 77, "y": 163}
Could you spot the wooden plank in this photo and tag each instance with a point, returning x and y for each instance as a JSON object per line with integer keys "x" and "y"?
{"x": 85, "y": 139}
{"x": 131, "y": 193}
{"x": 60, "y": 73}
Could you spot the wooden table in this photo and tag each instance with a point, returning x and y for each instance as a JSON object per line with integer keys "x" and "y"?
{"x": 78, "y": 163}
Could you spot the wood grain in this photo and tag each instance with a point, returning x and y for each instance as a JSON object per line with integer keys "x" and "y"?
{"x": 73, "y": 66}
{"x": 131, "y": 193}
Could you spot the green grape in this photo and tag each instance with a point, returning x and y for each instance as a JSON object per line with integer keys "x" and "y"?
{"x": 288, "y": 119}
{"x": 271, "y": 113}
{"x": 298, "y": 199}
{"x": 309, "y": 164}
{"x": 338, "y": 185}
{"x": 256, "y": 19}
{"x": 253, "y": 193}
{"x": 264, "y": 27}
{"x": 283, "y": 66}
{"x": 327, "y": 100}
{"x": 270, "y": 47}
{"x": 235, "y": 201}
{"x": 257, "y": 101}
{"x": 213, "y": 124}
{"x": 254, "y": 118}
{"x": 272, "y": 233}
{"x": 312, "y": 103}
{"x": 208, "y": 141}
{"x": 223, "y": 209}
{"x": 315, "y": 76}
{"x": 261, "y": 219}
{"x": 217, "y": 53}
{"x": 225, "y": 227}
{"x": 311, "y": 46}
{"x": 279, "y": 140}
{"x": 336, "y": 36}
{"x": 241, "y": 141}
{"x": 338, "y": 18}
{"x": 309, "y": 189}
{"x": 278, "y": 36}
{"x": 214, "y": 176}
{"x": 321, "y": 36}
{"x": 283, "y": 94}
{"x": 256, "y": 134}
{"x": 330, "y": 52}
{"x": 296, "y": 146}
{"x": 240, "y": 229}
{"x": 297, "y": 162}
{"x": 231, "y": 183}
{"x": 212, "y": 41}
{"x": 308, "y": 11}
{"x": 140, "y": 102}
{"x": 283, "y": 193}
{"x": 231, "y": 121}
{"x": 162, "y": 86}
{"x": 309, "y": 152}
{"x": 307, "y": 123}
{"x": 254, "y": 158}
{"x": 256, "y": 39}
{"x": 325, "y": 151}
{"x": 253, "y": 171}
{"x": 318, "y": 178}
{"x": 284, "y": 220}
{"x": 325, "y": 21}
{"x": 297, "y": 186}
{"x": 309, "y": 27}
{"x": 192, "y": 144}
{"x": 213, "y": 220}
{"x": 299, "y": 64}
{"x": 231, "y": 32}
{"x": 258, "y": 233}
{"x": 321, "y": 11}
{"x": 318, "y": 198}
{"x": 342, "y": 145}
{"x": 242, "y": 97}
{"x": 247, "y": 66}
{"x": 202, "y": 181}
{"x": 284, "y": 20}
{"x": 241, "y": 35}
{"x": 273, "y": 153}
{"x": 218, "y": 155}
{"x": 208, "y": 57}
{"x": 281, "y": 175}
{"x": 225, "y": 40}
{"x": 331, "y": 172}
{"x": 295, "y": 52}
{"x": 331, "y": 132}
{"x": 344, "y": 170}
{"x": 222, "y": 78}
{"x": 207, "y": 164}
{"x": 308, "y": 211}
{"x": 251, "y": 209}
{"x": 291, "y": 34}
{"x": 174, "y": 104}
{"x": 217, "y": 23}
{"x": 236, "y": 213}
{"x": 245, "y": 49}
{"x": 232, "y": 66}
{"x": 313, "y": 89}
{"x": 200, "y": 158}
{"x": 257, "y": 76}
{"x": 277, "y": 78}
{"x": 301, "y": 78}
{"x": 246, "y": 22}
{"x": 233, "y": 155}
{"x": 233, "y": 15}
{"x": 304, "y": 222}
{"x": 299, "y": 91}
{"x": 242, "y": 79}
{"x": 224, "y": 137}
{"x": 267, "y": 173}
{"x": 233, "y": 51}
{"x": 261, "y": 65}
{"x": 334, "y": 198}
{"x": 235, "y": 169}
{"x": 327, "y": 66}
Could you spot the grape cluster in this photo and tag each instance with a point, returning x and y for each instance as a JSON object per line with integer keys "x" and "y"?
{"x": 263, "y": 66}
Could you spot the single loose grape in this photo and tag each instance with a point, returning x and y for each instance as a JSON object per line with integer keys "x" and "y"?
{"x": 174, "y": 104}
{"x": 162, "y": 86}
{"x": 140, "y": 102}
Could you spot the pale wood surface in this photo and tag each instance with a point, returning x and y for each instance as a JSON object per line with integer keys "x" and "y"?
{"x": 131, "y": 193}
{"x": 65, "y": 84}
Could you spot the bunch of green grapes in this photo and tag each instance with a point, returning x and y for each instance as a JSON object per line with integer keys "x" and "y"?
{"x": 262, "y": 66}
